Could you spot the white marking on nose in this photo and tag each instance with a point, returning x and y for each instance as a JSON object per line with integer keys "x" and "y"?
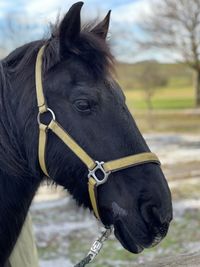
{"x": 118, "y": 211}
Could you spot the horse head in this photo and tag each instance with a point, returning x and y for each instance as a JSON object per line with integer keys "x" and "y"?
{"x": 90, "y": 105}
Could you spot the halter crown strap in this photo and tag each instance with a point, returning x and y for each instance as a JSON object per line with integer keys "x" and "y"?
{"x": 38, "y": 82}
{"x": 93, "y": 166}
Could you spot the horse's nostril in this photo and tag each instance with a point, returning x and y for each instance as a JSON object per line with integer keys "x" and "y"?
{"x": 161, "y": 217}
{"x": 157, "y": 215}
{"x": 161, "y": 230}
{"x": 156, "y": 221}
{"x": 155, "y": 218}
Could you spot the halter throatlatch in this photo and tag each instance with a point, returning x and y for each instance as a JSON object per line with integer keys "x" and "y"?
{"x": 94, "y": 167}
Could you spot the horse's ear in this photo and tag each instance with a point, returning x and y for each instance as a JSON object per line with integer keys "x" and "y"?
{"x": 101, "y": 29}
{"x": 70, "y": 27}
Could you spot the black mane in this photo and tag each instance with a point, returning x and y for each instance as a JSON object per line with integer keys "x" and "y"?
{"x": 11, "y": 157}
{"x": 88, "y": 47}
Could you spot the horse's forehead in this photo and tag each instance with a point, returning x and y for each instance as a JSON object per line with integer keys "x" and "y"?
{"x": 77, "y": 70}
{"x": 80, "y": 79}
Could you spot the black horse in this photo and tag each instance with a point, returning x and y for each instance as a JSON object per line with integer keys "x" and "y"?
{"x": 79, "y": 86}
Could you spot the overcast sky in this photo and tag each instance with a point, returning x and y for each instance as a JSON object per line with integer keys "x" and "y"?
{"x": 123, "y": 10}
{"x": 125, "y": 15}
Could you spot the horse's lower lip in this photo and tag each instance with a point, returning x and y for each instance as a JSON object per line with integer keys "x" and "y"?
{"x": 156, "y": 241}
{"x": 127, "y": 241}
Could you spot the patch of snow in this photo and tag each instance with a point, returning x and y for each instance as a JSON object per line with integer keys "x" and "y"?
{"x": 182, "y": 205}
{"x": 61, "y": 262}
{"x": 174, "y": 148}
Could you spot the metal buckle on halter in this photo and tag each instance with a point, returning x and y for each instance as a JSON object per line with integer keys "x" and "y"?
{"x": 93, "y": 173}
{"x": 48, "y": 110}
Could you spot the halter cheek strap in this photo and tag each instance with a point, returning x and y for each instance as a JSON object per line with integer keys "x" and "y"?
{"x": 93, "y": 166}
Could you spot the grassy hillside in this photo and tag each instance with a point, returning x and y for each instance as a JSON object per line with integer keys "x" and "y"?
{"x": 177, "y": 94}
{"x": 177, "y": 74}
{"x": 173, "y": 104}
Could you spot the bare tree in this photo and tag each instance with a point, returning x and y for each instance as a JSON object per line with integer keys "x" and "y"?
{"x": 150, "y": 79}
{"x": 174, "y": 25}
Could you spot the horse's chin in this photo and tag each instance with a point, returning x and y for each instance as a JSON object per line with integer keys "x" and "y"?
{"x": 126, "y": 238}
{"x": 130, "y": 242}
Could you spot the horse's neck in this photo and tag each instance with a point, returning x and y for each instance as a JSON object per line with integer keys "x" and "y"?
{"x": 15, "y": 107}
{"x": 2, "y": 77}
{"x": 16, "y": 194}
{"x": 17, "y": 184}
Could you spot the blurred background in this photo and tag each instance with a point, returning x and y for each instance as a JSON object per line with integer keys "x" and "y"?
{"x": 157, "y": 48}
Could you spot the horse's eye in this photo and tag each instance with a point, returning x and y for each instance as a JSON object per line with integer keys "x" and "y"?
{"x": 82, "y": 105}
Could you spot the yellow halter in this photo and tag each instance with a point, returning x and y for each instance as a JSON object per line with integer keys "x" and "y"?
{"x": 92, "y": 165}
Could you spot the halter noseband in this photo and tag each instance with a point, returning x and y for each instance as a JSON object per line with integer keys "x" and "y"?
{"x": 93, "y": 166}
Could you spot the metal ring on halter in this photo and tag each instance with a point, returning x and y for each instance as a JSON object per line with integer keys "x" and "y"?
{"x": 48, "y": 110}
{"x": 93, "y": 174}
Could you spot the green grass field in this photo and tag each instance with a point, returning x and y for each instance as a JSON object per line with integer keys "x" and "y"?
{"x": 173, "y": 105}
{"x": 168, "y": 97}
{"x": 177, "y": 94}
{"x": 173, "y": 111}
